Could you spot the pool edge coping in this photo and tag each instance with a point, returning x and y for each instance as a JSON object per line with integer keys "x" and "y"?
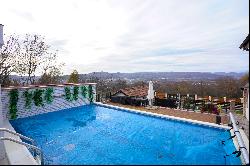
{"x": 21, "y": 155}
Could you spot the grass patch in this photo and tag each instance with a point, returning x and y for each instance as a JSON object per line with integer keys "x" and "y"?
{"x": 240, "y": 112}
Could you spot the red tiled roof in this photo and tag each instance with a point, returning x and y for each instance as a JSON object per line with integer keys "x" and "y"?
{"x": 139, "y": 91}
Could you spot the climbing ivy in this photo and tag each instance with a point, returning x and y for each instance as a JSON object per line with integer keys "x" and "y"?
{"x": 13, "y": 94}
{"x": 28, "y": 98}
{"x": 37, "y": 97}
{"x": 48, "y": 96}
{"x": 68, "y": 94}
{"x": 84, "y": 91}
{"x": 75, "y": 92}
{"x": 90, "y": 93}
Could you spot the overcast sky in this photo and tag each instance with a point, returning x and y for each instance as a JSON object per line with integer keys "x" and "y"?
{"x": 136, "y": 35}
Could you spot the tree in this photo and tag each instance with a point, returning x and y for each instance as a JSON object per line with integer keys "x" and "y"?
{"x": 228, "y": 86}
{"x": 140, "y": 83}
{"x": 8, "y": 54}
{"x": 74, "y": 77}
{"x": 244, "y": 79}
{"x": 53, "y": 76}
{"x": 35, "y": 55}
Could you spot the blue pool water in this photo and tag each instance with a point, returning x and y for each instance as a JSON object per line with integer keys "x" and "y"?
{"x": 93, "y": 134}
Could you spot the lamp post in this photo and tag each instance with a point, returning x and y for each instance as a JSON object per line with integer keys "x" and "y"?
{"x": 2, "y": 152}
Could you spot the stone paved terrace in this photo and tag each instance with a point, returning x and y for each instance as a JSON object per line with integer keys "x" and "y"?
{"x": 205, "y": 117}
{"x": 243, "y": 122}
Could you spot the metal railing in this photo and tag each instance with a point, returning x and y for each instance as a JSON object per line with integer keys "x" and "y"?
{"x": 20, "y": 135}
{"x": 37, "y": 152}
{"x": 242, "y": 146}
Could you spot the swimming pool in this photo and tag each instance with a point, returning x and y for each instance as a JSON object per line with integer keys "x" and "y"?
{"x": 93, "y": 134}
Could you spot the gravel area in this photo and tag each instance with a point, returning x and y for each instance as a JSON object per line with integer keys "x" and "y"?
{"x": 205, "y": 117}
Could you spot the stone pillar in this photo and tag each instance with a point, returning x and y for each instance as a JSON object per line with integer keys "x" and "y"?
{"x": 232, "y": 105}
{"x": 179, "y": 99}
{"x": 225, "y": 99}
{"x": 94, "y": 92}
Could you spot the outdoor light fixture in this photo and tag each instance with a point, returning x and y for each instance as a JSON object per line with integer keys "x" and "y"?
{"x": 1, "y": 35}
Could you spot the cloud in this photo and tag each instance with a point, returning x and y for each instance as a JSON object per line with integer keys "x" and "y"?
{"x": 25, "y": 15}
{"x": 137, "y": 35}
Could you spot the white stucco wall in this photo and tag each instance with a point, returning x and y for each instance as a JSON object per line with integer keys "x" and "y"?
{"x": 247, "y": 109}
{"x": 246, "y": 103}
{"x": 119, "y": 94}
{"x": 2, "y": 151}
{"x": 59, "y": 101}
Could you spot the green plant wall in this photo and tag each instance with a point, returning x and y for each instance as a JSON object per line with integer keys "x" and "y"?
{"x": 37, "y": 97}
{"x": 68, "y": 95}
{"x": 75, "y": 92}
{"x": 84, "y": 91}
{"x": 90, "y": 93}
{"x": 28, "y": 98}
{"x": 48, "y": 95}
{"x": 42, "y": 96}
{"x": 13, "y": 99}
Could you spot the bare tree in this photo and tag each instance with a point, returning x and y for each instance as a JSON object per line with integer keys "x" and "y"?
{"x": 51, "y": 76}
{"x": 8, "y": 54}
{"x": 35, "y": 55}
{"x": 228, "y": 86}
{"x": 244, "y": 79}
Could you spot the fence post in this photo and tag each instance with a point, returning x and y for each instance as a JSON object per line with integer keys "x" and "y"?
{"x": 232, "y": 105}
{"x": 179, "y": 100}
{"x": 195, "y": 97}
{"x": 225, "y": 99}
{"x": 166, "y": 95}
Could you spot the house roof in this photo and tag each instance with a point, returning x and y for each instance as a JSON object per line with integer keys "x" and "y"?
{"x": 245, "y": 43}
{"x": 138, "y": 91}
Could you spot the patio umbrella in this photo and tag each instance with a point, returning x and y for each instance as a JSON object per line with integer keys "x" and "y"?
{"x": 150, "y": 96}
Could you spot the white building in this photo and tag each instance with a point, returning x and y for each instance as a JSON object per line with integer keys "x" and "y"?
{"x": 245, "y": 46}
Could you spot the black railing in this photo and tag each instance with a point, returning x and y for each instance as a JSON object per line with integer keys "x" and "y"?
{"x": 125, "y": 100}
{"x": 171, "y": 103}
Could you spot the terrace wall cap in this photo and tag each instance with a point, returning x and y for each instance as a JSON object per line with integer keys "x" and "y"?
{"x": 44, "y": 86}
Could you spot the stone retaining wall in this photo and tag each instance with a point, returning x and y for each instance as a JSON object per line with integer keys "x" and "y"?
{"x": 59, "y": 101}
